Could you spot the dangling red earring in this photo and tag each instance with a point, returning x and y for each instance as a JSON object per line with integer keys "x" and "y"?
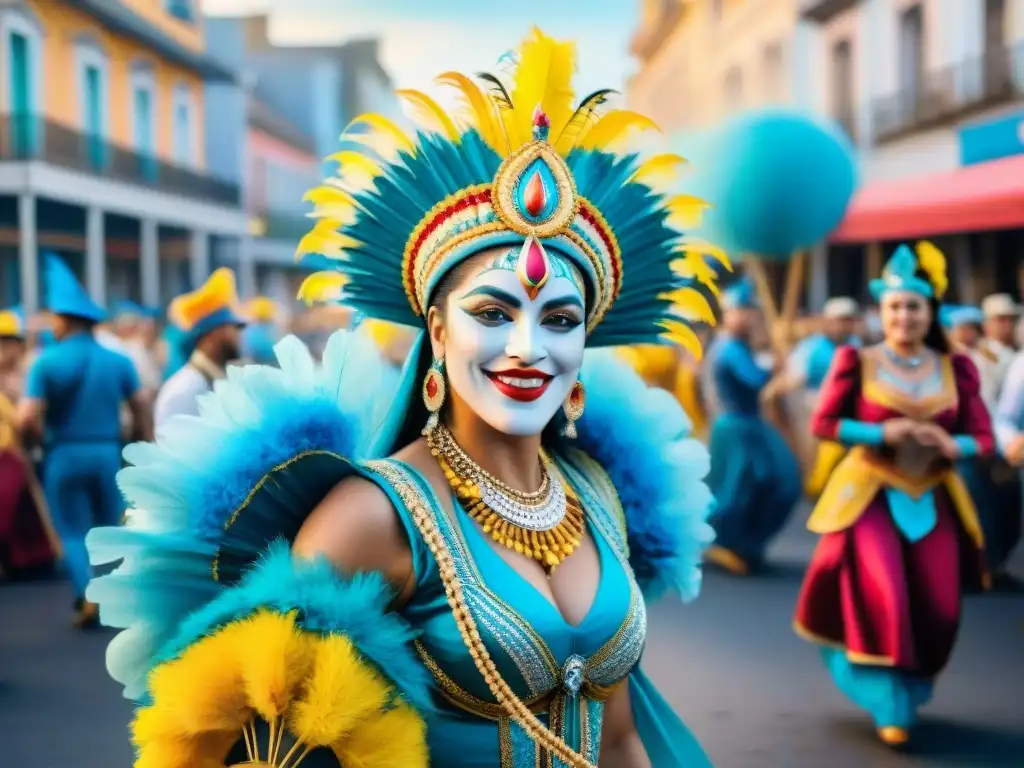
{"x": 573, "y": 409}
{"x": 435, "y": 389}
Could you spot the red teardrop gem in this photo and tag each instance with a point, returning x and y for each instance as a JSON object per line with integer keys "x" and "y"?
{"x": 431, "y": 387}
{"x": 535, "y": 197}
{"x": 536, "y": 267}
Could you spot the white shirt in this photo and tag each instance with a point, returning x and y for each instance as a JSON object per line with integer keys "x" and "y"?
{"x": 997, "y": 369}
{"x": 179, "y": 396}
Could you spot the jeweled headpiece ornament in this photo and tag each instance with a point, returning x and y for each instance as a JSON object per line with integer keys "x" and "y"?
{"x": 519, "y": 167}
{"x": 900, "y": 271}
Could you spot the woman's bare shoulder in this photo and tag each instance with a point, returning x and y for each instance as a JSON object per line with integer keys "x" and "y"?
{"x": 357, "y": 528}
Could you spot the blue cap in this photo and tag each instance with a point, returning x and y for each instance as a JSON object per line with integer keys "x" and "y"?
{"x": 740, "y": 295}
{"x": 65, "y": 295}
{"x": 954, "y": 316}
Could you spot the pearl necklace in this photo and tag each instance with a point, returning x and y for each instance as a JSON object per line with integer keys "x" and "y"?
{"x": 546, "y": 525}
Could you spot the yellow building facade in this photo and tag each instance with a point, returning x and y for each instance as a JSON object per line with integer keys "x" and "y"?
{"x": 704, "y": 60}
{"x": 107, "y": 77}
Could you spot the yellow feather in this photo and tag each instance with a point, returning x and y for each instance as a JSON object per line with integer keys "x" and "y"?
{"x": 695, "y": 245}
{"x": 206, "y": 751}
{"x": 693, "y": 267}
{"x": 429, "y": 113}
{"x": 612, "y": 128}
{"x": 261, "y": 309}
{"x": 692, "y": 305}
{"x": 342, "y": 692}
{"x": 482, "y": 111}
{"x": 382, "y": 125}
{"x": 328, "y": 195}
{"x": 395, "y": 739}
{"x": 189, "y": 708}
{"x": 932, "y": 261}
{"x": 322, "y": 287}
{"x": 683, "y": 335}
{"x": 543, "y": 77}
{"x": 658, "y": 168}
{"x": 274, "y": 657}
{"x": 357, "y": 160}
{"x": 686, "y": 211}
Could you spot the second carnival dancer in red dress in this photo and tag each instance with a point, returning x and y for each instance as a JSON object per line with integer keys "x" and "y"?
{"x": 900, "y": 533}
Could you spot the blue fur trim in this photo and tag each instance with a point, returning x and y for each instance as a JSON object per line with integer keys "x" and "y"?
{"x": 641, "y": 436}
{"x": 183, "y": 490}
{"x": 328, "y": 604}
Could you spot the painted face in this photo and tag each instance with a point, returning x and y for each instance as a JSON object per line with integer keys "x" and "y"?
{"x": 513, "y": 353}
{"x": 905, "y": 317}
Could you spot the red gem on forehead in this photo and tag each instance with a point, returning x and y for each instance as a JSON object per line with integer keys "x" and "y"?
{"x": 536, "y": 266}
{"x": 535, "y": 197}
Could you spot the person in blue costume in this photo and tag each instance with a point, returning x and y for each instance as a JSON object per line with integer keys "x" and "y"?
{"x": 73, "y": 397}
{"x": 807, "y": 368}
{"x": 260, "y": 333}
{"x": 755, "y": 477}
{"x": 993, "y": 482}
{"x": 453, "y": 571}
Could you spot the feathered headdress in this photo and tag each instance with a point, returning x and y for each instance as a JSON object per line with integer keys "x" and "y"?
{"x": 519, "y": 165}
{"x": 213, "y": 304}
{"x": 899, "y": 273}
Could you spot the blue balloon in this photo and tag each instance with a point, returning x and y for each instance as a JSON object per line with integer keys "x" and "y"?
{"x": 779, "y": 182}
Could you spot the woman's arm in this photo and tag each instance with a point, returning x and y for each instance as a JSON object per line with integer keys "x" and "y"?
{"x": 621, "y": 746}
{"x": 357, "y": 529}
{"x": 973, "y": 434}
{"x": 831, "y": 419}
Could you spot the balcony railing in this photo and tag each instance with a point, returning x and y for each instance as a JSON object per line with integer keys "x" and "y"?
{"x": 951, "y": 93}
{"x": 28, "y": 137}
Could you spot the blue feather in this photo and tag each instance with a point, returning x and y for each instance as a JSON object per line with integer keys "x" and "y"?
{"x": 327, "y": 604}
{"x": 184, "y": 490}
{"x": 642, "y": 438}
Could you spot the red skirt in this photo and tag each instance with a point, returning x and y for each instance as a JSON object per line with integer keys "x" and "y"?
{"x": 887, "y": 601}
{"x": 23, "y": 541}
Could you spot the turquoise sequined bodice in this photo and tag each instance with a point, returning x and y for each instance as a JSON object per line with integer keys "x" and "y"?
{"x": 563, "y": 672}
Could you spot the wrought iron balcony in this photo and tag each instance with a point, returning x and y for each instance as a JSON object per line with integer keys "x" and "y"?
{"x": 25, "y": 137}
{"x": 952, "y": 93}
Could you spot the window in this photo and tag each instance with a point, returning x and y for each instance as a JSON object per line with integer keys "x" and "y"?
{"x": 183, "y": 10}
{"x": 21, "y": 83}
{"x": 911, "y": 67}
{"x": 734, "y": 89}
{"x": 773, "y": 72}
{"x": 143, "y": 104}
{"x": 842, "y": 85}
{"x": 183, "y": 126}
{"x": 995, "y": 25}
{"x": 92, "y": 100}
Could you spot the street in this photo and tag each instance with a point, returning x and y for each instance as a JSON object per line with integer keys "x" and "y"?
{"x": 754, "y": 693}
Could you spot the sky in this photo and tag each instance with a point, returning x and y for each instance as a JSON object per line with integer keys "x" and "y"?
{"x": 423, "y": 38}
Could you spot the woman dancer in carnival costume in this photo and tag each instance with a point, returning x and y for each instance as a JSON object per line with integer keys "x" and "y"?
{"x": 900, "y": 533}
{"x": 474, "y": 596}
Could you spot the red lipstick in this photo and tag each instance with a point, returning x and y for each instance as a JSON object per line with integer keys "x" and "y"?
{"x": 523, "y": 385}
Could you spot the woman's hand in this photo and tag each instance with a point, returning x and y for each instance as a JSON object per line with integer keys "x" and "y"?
{"x": 934, "y": 436}
{"x": 898, "y": 431}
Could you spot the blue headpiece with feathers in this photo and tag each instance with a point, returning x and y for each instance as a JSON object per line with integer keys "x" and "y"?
{"x": 901, "y": 272}
{"x": 65, "y": 295}
{"x": 522, "y": 168}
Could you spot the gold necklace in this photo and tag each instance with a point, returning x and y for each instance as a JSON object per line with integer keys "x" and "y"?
{"x": 547, "y": 538}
